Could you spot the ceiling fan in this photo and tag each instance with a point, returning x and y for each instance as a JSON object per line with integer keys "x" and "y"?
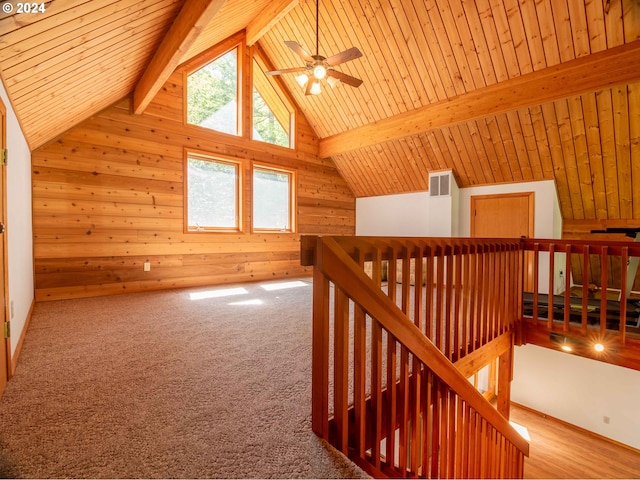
{"x": 318, "y": 67}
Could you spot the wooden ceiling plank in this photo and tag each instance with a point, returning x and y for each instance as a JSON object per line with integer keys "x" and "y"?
{"x": 415, "y": 51}
{"x": 542, "y": 143}
{"x": 92, "y": 27}
{"x": 615, "y": 34}
{"x": 585, "y": 180}
{"x": 579, "y": 28}
{"x": 439, "y": 74}
{"x": 499, "y": 54}
{"x": 615, "y": 66}
{"x": 594, "y": 147}
{"x": 192, "y": 19}
{"x": 557, "y": 158}
{"x": 634, "y": 140}
{"x": 531, "y": 24}
{"x": 477, "y": 41}
{"x": 623, "y": 151}
{"x": 569, "y": 155}
{"x": 509, "y": 173}
{"x": 548, "y": 32}
{"x": 607, "y": 140}
{"x": 477, "y": 153}
{"x": 407, "y": 78}
{"x": 563, "y": 31}
{"x": 511, "y": 33}
{"x": 512, "y": 121}
{"x": 267, "y": 18}
{"x": 86, "y": 73}
{"x": 631, "y": 20}
{"x": 468, "y": 157}
{"x": 492, "y": 154}
{"x": 63, "y": 68}
{"x": 529, "y": 138}
{"x": 17, "y": 27}
{"x": 459, "y": 72}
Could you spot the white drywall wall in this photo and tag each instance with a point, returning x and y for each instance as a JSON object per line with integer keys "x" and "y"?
{"x": 579, "y": 391}
{"x": 19, "y": 226}
{"x": 401, "y": 215}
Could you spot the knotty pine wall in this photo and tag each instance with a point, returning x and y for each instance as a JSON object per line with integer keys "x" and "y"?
{"x": 108, "y": 196}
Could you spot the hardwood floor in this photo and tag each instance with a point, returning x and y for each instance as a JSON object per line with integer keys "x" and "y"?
{"x": 559, "y": 451}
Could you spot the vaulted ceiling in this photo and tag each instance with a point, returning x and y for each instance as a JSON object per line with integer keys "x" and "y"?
{"x": 498, "y": 91}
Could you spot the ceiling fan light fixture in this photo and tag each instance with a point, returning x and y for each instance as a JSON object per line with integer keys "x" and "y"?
{"x": 333, "y": 82}
{"x": 319, "y": 72}
{"x": 315, "y": 88}
{"x": 302, "y": 79}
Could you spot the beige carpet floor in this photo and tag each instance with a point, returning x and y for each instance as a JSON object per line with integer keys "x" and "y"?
{"x": 173, "y": 384}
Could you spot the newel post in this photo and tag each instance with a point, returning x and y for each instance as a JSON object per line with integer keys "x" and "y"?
{"x": 320, "y": 348}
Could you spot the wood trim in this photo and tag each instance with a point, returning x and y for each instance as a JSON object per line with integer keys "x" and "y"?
{"x": 577, "y": 428}
{"x": 531, "y": 202}
{"x": 293, "y": 183}
{"x": 27, "y": 322}
{"x": 586, "y": 74}
{"x": 271, "y": 15}
{"x": 5, "y": 243}
{"x": 190, "y": 22}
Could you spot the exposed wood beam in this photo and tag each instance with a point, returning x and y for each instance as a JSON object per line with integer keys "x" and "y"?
{"x": 194, "y": 16}
{"x": 268, "y": 18}
{"x": 594, "y": 72}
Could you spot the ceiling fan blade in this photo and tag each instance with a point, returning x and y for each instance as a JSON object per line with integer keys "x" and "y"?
{"x": 309, "y": 85}
{"x": 295, "y": 46}
{"x": 347, "y": 55}
{"x": 344, "y": 78}
{"x": 286, "y": 70}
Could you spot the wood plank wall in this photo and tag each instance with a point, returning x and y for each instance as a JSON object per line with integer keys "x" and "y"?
{"x": 108, "y": 196}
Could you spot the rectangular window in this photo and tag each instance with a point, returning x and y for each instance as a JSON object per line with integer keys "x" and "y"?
{"x": 273, "y": 194}
{"x": 213, "y": 191}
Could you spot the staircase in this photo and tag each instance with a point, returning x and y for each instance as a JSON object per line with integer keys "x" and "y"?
{"x": 392, "y": 356}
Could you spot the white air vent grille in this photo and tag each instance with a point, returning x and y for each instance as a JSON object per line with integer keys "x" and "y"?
{"x": 440, "y": 185}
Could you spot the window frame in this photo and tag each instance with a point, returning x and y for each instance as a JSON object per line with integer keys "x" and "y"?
{"x": 264, "y": 65}
{"x": 291, "y": 197}
{"x": 202, "y": 62}
{"x": 221, "y": 159}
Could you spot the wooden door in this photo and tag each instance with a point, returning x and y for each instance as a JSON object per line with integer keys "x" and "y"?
{"x": 4, "y": 342}
{"x": 508, "y": 215}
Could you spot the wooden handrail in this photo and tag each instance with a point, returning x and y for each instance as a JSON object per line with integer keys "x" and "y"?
{"x": 340, "y": 268}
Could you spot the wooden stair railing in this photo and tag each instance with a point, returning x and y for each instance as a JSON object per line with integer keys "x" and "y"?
{"x": 406, "y": 410}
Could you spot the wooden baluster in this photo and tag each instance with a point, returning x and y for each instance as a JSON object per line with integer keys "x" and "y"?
{"x": 466, "y": 267}
{"x": 341, "y": 370}
{"x": 567, "y": 288}
{"x": 436, "y": 425}
{"x": 418, "y": 302}
{"x": 604, "y": 262}
{"x": 451, "y": 433}
{"x": 427, "y": 422}
{"x": 551, "y": 290}
{"x": 536, "y": 264}
{"x": 457, "y": 293}
{"x": 376, "y": 371}
{"x": 440, "y": 260}
{"x": 486, "y": 288}
{"x": 448, "y": 317}
{"x": 623, "y": 293}
{"x": 320, "y": 352}
{"x": 443, "y": 396}
{"x": 473, "y": 299}
{"x": 392, "y": 270}
{"x": 585, "y": 287}
{"x": 359, "y": 370}
{"x": 428, "y": 299}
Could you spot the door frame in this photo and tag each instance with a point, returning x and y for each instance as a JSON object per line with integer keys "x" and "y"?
{"x": 5, "y": 255}
{"x": 529, "y": 195}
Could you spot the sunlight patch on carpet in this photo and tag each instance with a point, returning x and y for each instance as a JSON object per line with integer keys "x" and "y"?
{"x": 225, "y": 292}
{"x": 283, "y": 285}
{"x": 255, "y": 301}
